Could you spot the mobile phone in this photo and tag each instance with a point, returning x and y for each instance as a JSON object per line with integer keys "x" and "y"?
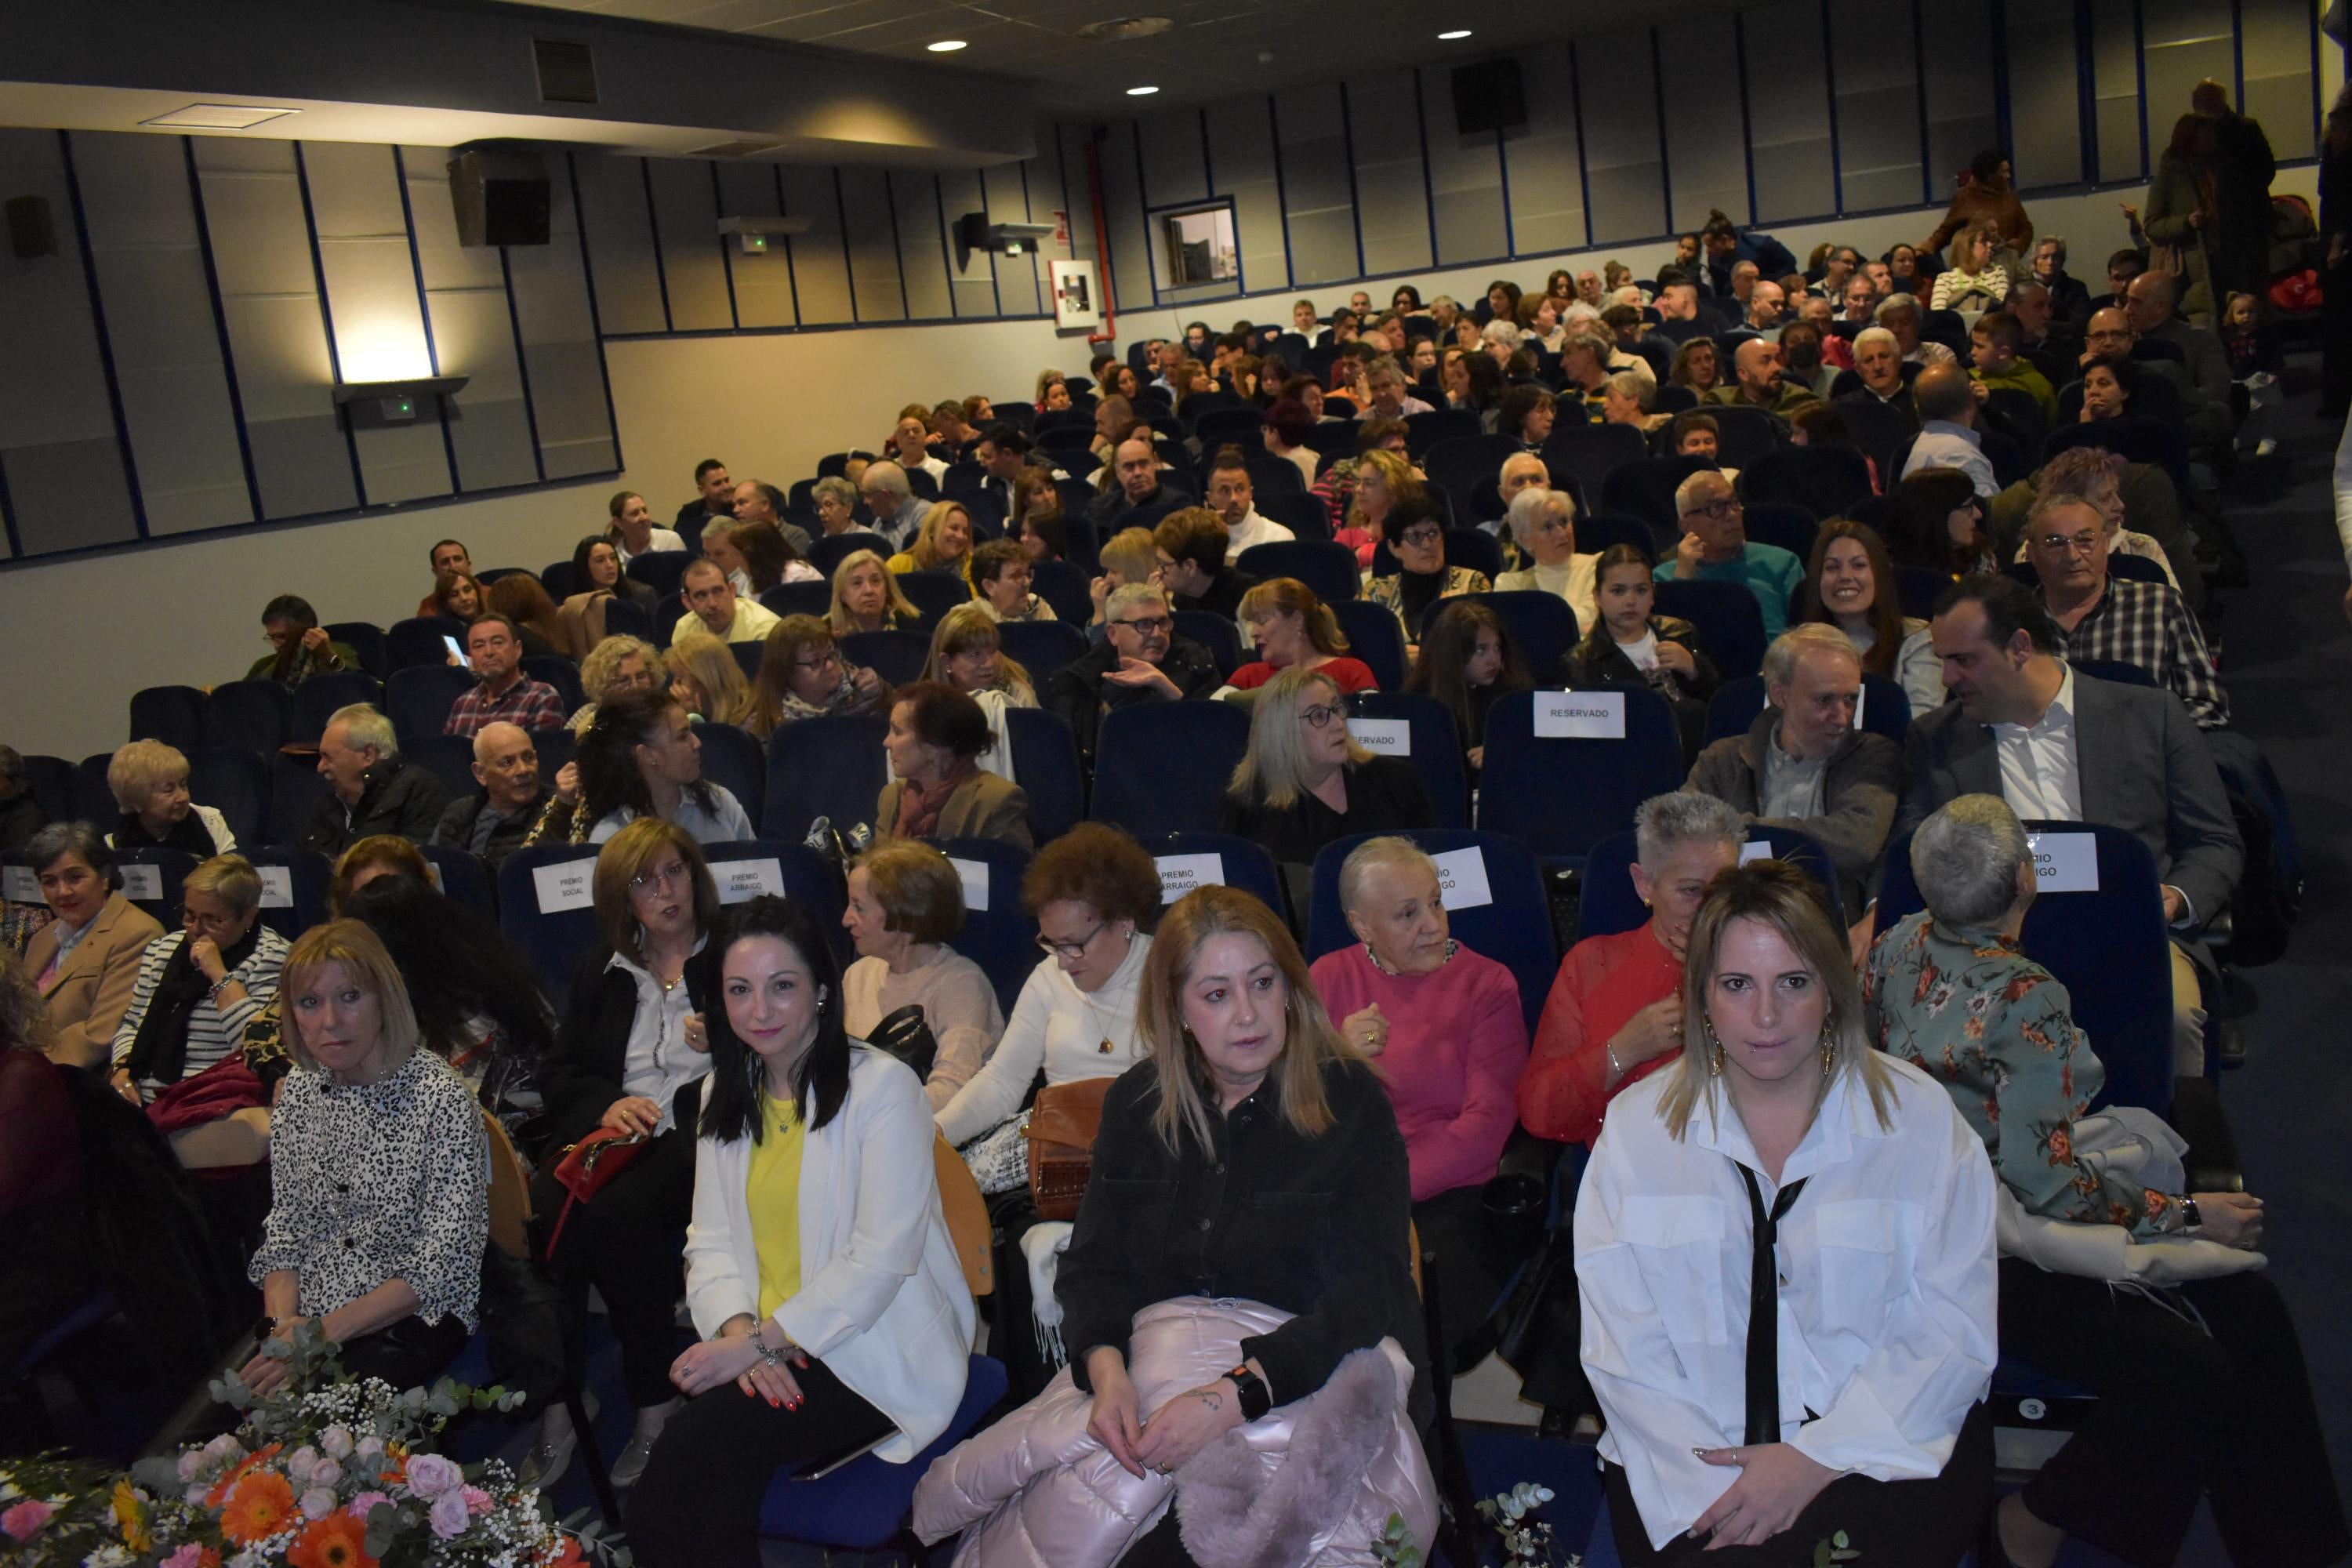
{"x": 455, "y": 651}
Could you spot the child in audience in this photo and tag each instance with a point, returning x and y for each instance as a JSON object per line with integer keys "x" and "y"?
{"x": 1468, "y": 660}
{"x": 1628, "y": 646}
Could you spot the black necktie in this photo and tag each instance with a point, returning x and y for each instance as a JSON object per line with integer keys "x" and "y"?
{"x": 1764, "y": 1311}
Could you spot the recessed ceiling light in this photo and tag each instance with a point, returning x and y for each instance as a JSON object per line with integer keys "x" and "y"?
{"x": 1457, "y": 33}
{"x": 1142, "y": 91}
{"x": 945, "y": 46}
{"x": 219, "y": 117}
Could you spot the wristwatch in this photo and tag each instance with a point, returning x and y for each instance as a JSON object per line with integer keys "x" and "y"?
{"x": 1256, "y": 1399}
{"x": 2190, "y": 1218}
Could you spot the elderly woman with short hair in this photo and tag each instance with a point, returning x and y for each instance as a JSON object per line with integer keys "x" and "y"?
{"x": 866, "y": 597}
{"x": 1304, "y": 781}
{"x": 1542, "y": 522}
{"x": 936, "y": 788}
{"x": 834, "y": 500}
{"x": 150, "y": 781}
{"x": 199, "y": 987}
{"x": 85, "y": 962}
{"x": 904, "y": 905}
{"x": 616, "y": 666}
{"x": 1445, "y": 1025}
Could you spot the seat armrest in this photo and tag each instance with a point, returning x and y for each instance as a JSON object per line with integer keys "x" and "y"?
{"x": 2211, "y": 1162}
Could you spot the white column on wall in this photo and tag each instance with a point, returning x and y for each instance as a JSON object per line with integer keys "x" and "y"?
{"x": 1321, "y": 211}
{"x": 1466, "y": 178}
{"x": 2045, "y": 98}
{"x": 1543, "y": 179}
{"x": 1874, "y": 59}
{"x": 148, "y": 257}
{"x": 1241, "y": 155}
{"x": 763, "y": 283}
{"x": 1706, "y": 146}
{"x": 1392, "y": 182}
{"x": 1625, "y": 167}
{"x": 1794, "y": 159}
{"x": 565, "y": 379}
{"x": 473, "y": 329}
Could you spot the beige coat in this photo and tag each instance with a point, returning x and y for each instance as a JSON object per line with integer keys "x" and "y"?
{"x": 86, "y": 998}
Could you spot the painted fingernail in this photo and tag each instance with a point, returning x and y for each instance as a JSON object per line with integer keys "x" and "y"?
{"x": 774, "y": 1403}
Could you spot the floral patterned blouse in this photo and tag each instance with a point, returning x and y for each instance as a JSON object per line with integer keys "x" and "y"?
{"x": 1998, "y": 1031}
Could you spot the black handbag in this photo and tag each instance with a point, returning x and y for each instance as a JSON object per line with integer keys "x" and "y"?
{"x": 906, "y": 1035}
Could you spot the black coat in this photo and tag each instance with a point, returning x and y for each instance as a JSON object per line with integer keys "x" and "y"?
{"x": 581, "y": 1077}
{"x": 395, "y": 797}
{"x": 456, "y": 829}
{"x": 1076, "y": 692}
{"x": 1385, "y": 795}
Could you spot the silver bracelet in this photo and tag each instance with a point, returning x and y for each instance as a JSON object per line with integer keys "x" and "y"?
{"x": 1615, "y": 1065}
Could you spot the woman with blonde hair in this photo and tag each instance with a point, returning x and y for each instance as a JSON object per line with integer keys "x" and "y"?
{"x": 1305, "y": 782}
{"x": 1186, "y": 1323}
{"x": 865, "y": 596}
{"x": 1974, "y": 280}
{"x": 707, "y": 682}
{"x": 943, "y": 543}
{"x": 1046, "y": 381}
{"x": 1294, "y": 630}
{"x": 378, "y": 1174}
{"x": 904, "y": 905}
{"x": 1384, "y": 480}
{"x": 1784, "y": 1243}
{"x": 803, "y": 675}
{"x": 616, "y": 666}
{"x": 1130, "y": 555}
{"x": 149, "y": 782}
{"x": 968, "y": 654}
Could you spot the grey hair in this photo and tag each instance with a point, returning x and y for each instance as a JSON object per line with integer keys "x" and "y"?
{"x": 479, "y": 745}
{"x": 2035, "y": 284}
{"x": 1592, "y": 342}
{"x": 364, "y": 725}
{"x": 1505, "y": 471}
{"x": 1876, "y": 334}
{"x": 1528, "y": 510}
{"x": 1689, "y": 487}
{"x": 1894, "y": 302}
{"x": 1628, "y": 295}
{"x": 76, "y": 839}
{"x": 1965, "y": 859}
{"x": 1388, "y": 849}
{"x": 1664, "y": 822}
{"x": 834, "y": 485}
{"x": 1813, "y": 636}
{"x": 1127, "y": 595}
{"x": 2058, "y": 240}
{"x": 889, "y": 479}
{"x": 1384, "y": 367}
{"x": 1499, "y": 331}
{"x": 1625, "y": 384}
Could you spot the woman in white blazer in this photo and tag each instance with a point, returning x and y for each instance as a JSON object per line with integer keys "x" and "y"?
{"x": 818, "y": 1266}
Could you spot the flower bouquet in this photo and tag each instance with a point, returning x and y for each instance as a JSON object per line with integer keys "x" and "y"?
{"x": 325, "y": 1472}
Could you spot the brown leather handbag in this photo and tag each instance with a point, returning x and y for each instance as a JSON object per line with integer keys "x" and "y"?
{"x": 1061, "y": 1127}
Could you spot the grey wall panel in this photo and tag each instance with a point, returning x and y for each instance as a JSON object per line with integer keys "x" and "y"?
{"x": 2114, "y": 69}
{"x": 1466, "y": 178}
{"x": 1123, "y": 224}
{"x": 373, "y": 315}
{"x": 278, "y": 338}
{"x": 921, "y": 246}
{"x": 1241, "y": 150}
{"x": 873, "y": 245}
{"x": 564, "y": 362}
{"x": 1170, "y": 152}
{"x": 2182, "y": 41}
{"x": 143, "y": 241}
{"x": 2276, "y": 48}
{"x": 1706, "y": 157}
{"x": 1542, "y": 181}
{"x": 2046, "y": 120}
{"x": 1391, "y": 186}
{"x": 620, "y": 242}
{"x": 473, "y": 331}
{"x": 1016, "y": 276}
{"x": 974, "y": 283}
{"x": 685, "y": 211}
{"x": 818, "y": 265}
{"x": 1322, "y": 215}
{"x": 1788, "y": 112}
{"x": 1959, "y": 87}
{"x": 1871, "y": 53}
{"x": 1623, "y": 164}
{"x": 66, "y": 481}
{"x": 763, "y": 284}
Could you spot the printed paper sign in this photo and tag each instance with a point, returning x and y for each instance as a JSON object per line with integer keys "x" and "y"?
{"x": 1180, "y": 874}
{"x": 566, "y": 885}
{"x": 433, "y": 875}
{"x": 2066, "y": 862}
{"x": 143, "y": 884}
{"x": 741, "y": 879}
{"x": 1859, "y": 699}
{"x": 1579, "y": 715}
{"x": 276, "y": 886}
{"x": 1755, "y": 850}
{"x": 975, "y": 883}
{"x": 1383, "y": 737}
{"x": 1462, "y": 878}
{"x": 20, "y": 884}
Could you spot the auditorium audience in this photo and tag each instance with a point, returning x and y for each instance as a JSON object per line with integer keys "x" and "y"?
{"x": 905, "y": 904}
{"x": 1130, "y": 555}
{"x": 538, "y": 626}
{"x": 2108, "y": 384}
{"x": 616, "y": 666}
{"x": 1994, "y": 346}
{"x": 369, "y": 789}
{"x": 1305, "y": 782}
{"x": 300, "y": 647}
{"x": 1383, "y": 481}
{"x": 1287, "y": 424}
{"x": 1336, "y": 489}
{"x": 1986, "y": 198}
{"x": 1936, "y": 520}
{"x": 492, "y": 823}
{"x": 596, "y": 580}
{"x": 1715, "y": 548}
{"x": 1415, "y": 531}
{"x": 1190, "y": 547}
{"x": 1233, "y": 499}
{"x": 866, "y": 597}
{"x": 769, "y": 545}
{"x": 632, "y": 530}
{"x": 379, "y": 1197}
{"x": 803, "y": 675}
{"x": 712, "y": 600}
{"x": 824, "y": 1284}
{"x": 1292, "y": 628}
{"x": 835, "y": 500}
{"x": 1973, "y": 280}
{"x": 1141, "y": 659}
{"x": 706, "y": 681}
{"x": 2136, "y": 500}
{"x": 1468, "y": 660}
{"x": 1948, "y": 437}
{"x": 1696, "y": 366}
{"x": 1850, "y": 585}
{"x": 1132, "y": 496}
{"x": 449, "y": 557}
{"x": 1899, "y": 314}
{"x": 503, "y": 692}
{"x": 84, "y": 964}
{"x": 1542, "y": 522}
{"x": 942, "y": 544}
{"x": 640, "y": 758}
{"x": 938, "y": 788}
{"x": 1778, "y": 1123}
{"x": 149, "y": 782}
{"x": 1630, "y": 646}
{"x": 714, "y": 498}
{"x": 897, "y": 509}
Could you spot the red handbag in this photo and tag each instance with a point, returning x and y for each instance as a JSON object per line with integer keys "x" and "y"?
{"x": 586, "y": 1166}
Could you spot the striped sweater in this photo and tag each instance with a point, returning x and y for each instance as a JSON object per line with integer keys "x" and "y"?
{"x": 213, "y": 1032}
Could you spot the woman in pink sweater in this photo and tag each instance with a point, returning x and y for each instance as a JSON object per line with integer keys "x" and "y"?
{"x": 1450, "y": 1037}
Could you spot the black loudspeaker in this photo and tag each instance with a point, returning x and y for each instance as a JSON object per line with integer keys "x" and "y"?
{"x": 1489, "y": 95}
{"x": 30, "y": 231}
{"x": 500, "y": 194}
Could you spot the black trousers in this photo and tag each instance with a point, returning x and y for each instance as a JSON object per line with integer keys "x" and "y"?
{"x": 624, "y": 1242}
{"x": 698, "y": 1504}
{"x": 2179, "y": 1411}
{"x": 1469, "y": 1261}
{"x": 410, "y": 1354}
{"x": 1894, "y": 1524}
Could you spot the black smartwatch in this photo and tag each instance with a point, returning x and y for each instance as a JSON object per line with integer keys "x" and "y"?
{"x": 2190, "y": 1220}
{"x": 1256, "y": 1397}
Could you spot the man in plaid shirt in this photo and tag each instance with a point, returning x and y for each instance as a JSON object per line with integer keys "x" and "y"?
{"x": 2144, "y": 624}
{"x": 505, "y": 695}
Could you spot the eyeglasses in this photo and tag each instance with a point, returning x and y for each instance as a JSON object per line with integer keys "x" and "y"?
{"x": 1717, "y": 510}
{"x": 1073, "y": 951}
{"x": 1144, "y": 625}
{"x": 830, "y": 655}
{"x": 1319, "y": 718}
{"x": 660, "y": 876}
{"x": 1420, "y": 538}
{"x": 2077, "y": 544}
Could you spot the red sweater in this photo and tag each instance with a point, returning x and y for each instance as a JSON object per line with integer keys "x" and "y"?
{"x": 1350, "y": 674}
{"x": 1601, "y": 983}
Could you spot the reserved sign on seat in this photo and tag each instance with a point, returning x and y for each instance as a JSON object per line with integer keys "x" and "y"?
{"x": 1579, "y": 715}
{"x": 566, "y": 885}
{"x": 1462, "y": 878}
{"x": 739, "y": 880}
{"x": 1382, "y": 737}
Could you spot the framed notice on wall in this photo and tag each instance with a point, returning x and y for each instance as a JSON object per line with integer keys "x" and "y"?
{"x": 1077, "y": 299}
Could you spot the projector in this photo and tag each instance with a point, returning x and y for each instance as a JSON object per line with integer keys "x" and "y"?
{"x": 974, "y": 232}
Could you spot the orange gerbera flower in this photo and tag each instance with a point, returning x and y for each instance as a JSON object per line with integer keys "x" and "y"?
{"x": 338, "y": 1540}
{"x": 235, "y": 1473}
{"x": 258, "y": 1506}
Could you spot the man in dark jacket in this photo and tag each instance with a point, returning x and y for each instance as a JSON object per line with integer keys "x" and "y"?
{"x": 1191, "y": 545}
{"x": 492, "y": 823}
{"x": 370, "y": 789}
{"x": 1137, "y": 498}
{"x": 1141, "y": 659}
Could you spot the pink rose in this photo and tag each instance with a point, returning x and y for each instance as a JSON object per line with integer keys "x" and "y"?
{"x": 24, "y": 1522}
{"x": 318, "y": 1503}
{"x": 192, "y": 1461}
{"x": 477, "y": 1501}
{"x": 188, "y": 1556}
{"x": 431, "y": 1476}
{"x": 449, "y": 1516}
{"x": 326, "y": 1473}
{"x": 337, "y": 1442}
{"x": 365, "y": 1503}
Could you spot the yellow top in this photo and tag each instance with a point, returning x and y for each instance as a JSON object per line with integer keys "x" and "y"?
{"x": 773, "y": 1188}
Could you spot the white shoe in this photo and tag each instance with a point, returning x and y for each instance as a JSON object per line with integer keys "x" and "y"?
{"x": 642, "y": 1438}
{"x": 550, "y": 1456}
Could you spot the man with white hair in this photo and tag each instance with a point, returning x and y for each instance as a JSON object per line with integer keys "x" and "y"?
{"x": 897, "y": 509}
{"x": 369, "y": 789}
{"x": 1715, "y": 548}
{"x": 1802, "y": 764}
{"x": 492, "y": 823}
{"x": 1139, "y": 659}
{"x": 1899, "y": 314}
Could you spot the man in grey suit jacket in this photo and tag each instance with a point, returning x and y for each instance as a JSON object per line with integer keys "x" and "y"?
{"x": 2060, "y": 745}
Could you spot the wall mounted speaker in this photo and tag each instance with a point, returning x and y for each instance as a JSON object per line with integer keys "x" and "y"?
{"x": 31, "y": 232}
{"x": 1489, "y": 95}
{"x": 500, "y": 194}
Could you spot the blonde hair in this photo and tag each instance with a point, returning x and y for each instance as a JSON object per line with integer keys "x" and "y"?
{"x": 231, "y": 879}
{"x": 362, "y": 954}
{"x": 1132, "y": 553}
{"x": 604, "y": 660}
{"x": 1309, "y": 1043}
{"x": 710, "y": 664}
{"x": 894, "y": 604}
{"x": 966, "y": 630}
{"x": 1276, "y": 757}
{"x": 1964, "y": 243}
{"x": 1784, "y": 898}
{"x": 1395, "y": 471}
{"x": 926, "y": 548}
{"x": 139, "y": 770}
{"x": 1289, "y": 597}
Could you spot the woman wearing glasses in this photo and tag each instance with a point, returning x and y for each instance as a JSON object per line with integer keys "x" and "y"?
{"x": 803, "y": 675}
{"x": 629, "y": 1055}
{"x": 1304, "y": 781}
{"x": 1422, "y": 579}
{"x": 1095, "y": 893}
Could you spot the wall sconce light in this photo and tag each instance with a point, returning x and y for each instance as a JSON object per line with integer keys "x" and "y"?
{"x": 396, "y": 401}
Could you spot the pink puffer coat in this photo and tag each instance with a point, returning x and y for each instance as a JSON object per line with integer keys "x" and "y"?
{"x": 1308, "y": 1486}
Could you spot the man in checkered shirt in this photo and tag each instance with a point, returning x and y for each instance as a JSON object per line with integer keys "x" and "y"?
{"x": 2119, "y": 619}
{"x": 505, "y": 695}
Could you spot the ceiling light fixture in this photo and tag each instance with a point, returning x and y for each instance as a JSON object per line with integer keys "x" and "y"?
{"x": 1457, "y": 33}
{"x": 219, "y": 117}
{"x": 945, "y": 46}
{"x": 1142, "y": 91}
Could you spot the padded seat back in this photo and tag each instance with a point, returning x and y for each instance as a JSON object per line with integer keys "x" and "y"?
{"x": 1163, "y": 767}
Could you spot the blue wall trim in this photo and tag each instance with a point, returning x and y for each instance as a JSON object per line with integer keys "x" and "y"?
{"x": 653, "y": 227}
{"x": 220, "y": 325}
{"x": 596, "y": 317}
{"x": 326, "y": 319}
{"x": 425, "y": 317}
{"x": 105, "y": 342}
{"x": 522, "y": 371}
{"x": 726, "y": 251}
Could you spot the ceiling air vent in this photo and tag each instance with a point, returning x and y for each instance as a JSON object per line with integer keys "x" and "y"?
{"x": 733, "y": 149}
{"x": 1118, "y": 28}
{"x": 567, "y": 73}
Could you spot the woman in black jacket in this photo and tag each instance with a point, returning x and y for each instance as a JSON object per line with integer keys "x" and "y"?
{"x": 1629, "y": 646}
{"x": 631, "y": 1049}
{"x": 1304, "y": 783}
